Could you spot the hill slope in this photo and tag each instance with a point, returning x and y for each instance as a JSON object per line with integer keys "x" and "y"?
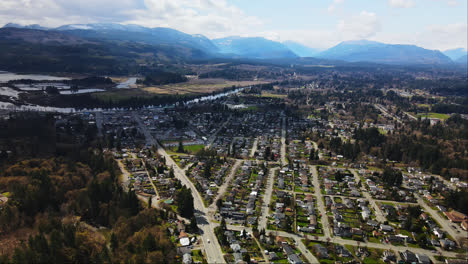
{"x": 30, "y": 50}
{"x": 256, "y": 47}
{"x": 151, "y": 36}
{"x": 371, "y": 51}
{"x": 463, "y": 60}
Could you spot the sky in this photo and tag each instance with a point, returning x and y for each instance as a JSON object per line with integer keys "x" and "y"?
{"x": 432, "y": 24}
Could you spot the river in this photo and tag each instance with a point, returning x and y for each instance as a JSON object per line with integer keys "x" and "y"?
{"x": 38, "y": 108}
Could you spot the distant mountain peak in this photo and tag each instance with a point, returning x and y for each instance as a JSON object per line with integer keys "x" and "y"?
{"x": 33, "y": 26}
{"x": 372, "y": 51}
{"x": 13, "y": 25}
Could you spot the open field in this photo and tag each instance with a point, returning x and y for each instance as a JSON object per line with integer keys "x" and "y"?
{"x": 434, "y": 115}
{"x": 272, "y": 95}
{"x": 189, "y": 149}
{"x": 192, "y": 87}
{"x": 198, "y": 86}
{"x": 121, "y": 94}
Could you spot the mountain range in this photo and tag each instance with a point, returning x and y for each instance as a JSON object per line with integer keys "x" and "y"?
{"x": 456, "y": 54}
{"x": 168, "y": 43}
{"x": 372, "y": 51}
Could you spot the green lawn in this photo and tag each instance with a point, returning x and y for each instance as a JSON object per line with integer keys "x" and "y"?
{"x": 189, "y": 149}
{"x": 194, "y": 148}
{"x": 434, "y": 115}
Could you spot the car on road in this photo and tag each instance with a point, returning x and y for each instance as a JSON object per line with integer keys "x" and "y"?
{"x": 208, "y": 240}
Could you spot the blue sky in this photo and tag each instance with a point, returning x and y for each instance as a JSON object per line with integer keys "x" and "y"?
{"x": 433, "y": 24}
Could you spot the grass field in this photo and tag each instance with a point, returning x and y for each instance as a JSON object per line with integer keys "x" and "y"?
{"x": 434, "y": 115}
{"x": 381, "y": 131}
{"x": 190, "y": 149}
{"x": 272, "y": 95}
{"x": 250, "y": 108}
{"x": 200, "y": 86}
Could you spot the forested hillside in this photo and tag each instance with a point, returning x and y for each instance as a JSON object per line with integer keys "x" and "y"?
{"x": 68, "y": 206}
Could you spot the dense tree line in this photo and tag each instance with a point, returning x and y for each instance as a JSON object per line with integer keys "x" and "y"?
{"x": 392, "y": 177}
{"x": 184, "y": 202}
{"x": 457, "y": 200}
{"x": 438, "y": 148}
{"x": 139, "y": 239}
{"x": 60, "y": 196}
{"x": 161, "y": 77}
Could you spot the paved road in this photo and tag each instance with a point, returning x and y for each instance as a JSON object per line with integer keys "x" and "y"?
{"x": 341, "y": 241}
{"x": 211, "y": 244}
{"x": 125, "y": 176}
{"x": 386, "y": 113}
{"x": 378, "y": 213}
{"x": 225, "y": 185}
{"x": 283, "y": 141}
{"x": 309, "y": 256}
{"x": 267, "y": 199}
{"x": 410, "y": 116}
{"x": 445, "y": 223}
{"x": 213, "y": 136}
{"x": 150, "y": 179}
{"x": 265, "y": 257}
{"x": 376, "y": 200}
{"x": 98, "y": 116}
{"x": 320, "y": 203}
{"x": 316, "y": 148}
{"x": 254, "y": 147}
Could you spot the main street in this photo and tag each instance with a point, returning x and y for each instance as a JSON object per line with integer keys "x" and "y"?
{"x": 211, "y": 244}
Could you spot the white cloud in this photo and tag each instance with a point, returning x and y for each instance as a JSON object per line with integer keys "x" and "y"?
{"x": 441, "y": 37}
{"x": 314, "y": 38}
{"x": 364, "y": 25}
{"x": 211, "y": 17}
{"x": 360, "y": 26}
{"x": 450, "y": 3}
{"x": 401, "y": 3}
{"x": 220, "y": 18}
{"x": 332, "y": 7}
